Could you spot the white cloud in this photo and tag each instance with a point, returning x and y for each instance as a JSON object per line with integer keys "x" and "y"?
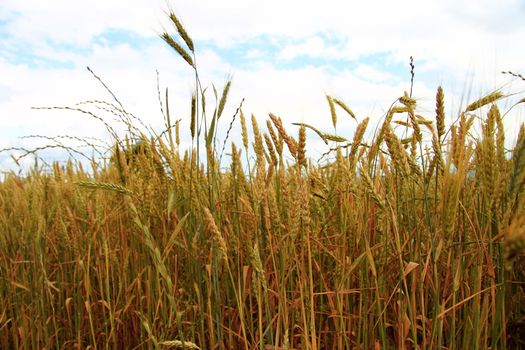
{"x": 75, "y": 23}
{"x": 254, "y": 54}
{"x": 448, "y": 32}
{"x": 311, "y": 47}
{"x": 367, "y": 72}
{"x": 450, "y": 40}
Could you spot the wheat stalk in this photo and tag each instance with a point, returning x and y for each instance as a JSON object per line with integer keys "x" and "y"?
{"x": 358, "y": 137}
{"x": 408, "y": 101}
{"x": 396, "y": 151}
{"x": 301, "y": 150}
{"x": 271, "y": 150}
{"x": 244, "y": 131}
{"x": 440, "y": 112}
{"x": 193, "y": 115}
{"x": 332, "y": 110}
{"x": 224, "y": 97}
{"x": 179, "y": 344}
{"x": 104, "y": 186}
{"x": 517, "y": 176}
{"x": 485, "y": 100}
{"x": 344, "y": 107}
{"x": 259, "y": 147}
{"x": 216, "y": 234}
{"x": 370, "y": 188}
{"x": 290, "y": 142}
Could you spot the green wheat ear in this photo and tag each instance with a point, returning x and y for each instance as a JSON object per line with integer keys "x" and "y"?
{"x": 176, "y": 46}
{"x": 182, "y": 32}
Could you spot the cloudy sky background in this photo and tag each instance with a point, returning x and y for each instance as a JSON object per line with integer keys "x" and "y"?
{"x": 284, "y": 56}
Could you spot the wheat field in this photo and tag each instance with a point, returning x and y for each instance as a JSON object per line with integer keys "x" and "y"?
{"x": 412, "y": 238}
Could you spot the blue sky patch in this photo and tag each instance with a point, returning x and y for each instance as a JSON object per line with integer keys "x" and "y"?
{"x": 23, "y": 54}
{"x": 264, "y": 48}
{"x": 115, "y": 36}
{"x": 18, "y": 52}
{"x": 246, "y": 54}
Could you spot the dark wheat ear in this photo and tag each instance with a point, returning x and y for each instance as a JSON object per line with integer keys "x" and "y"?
{"x": 412, "y": 67}
{"x": 516, "y": 75}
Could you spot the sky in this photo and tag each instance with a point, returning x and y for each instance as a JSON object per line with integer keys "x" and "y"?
{"x": 283, "y": 56}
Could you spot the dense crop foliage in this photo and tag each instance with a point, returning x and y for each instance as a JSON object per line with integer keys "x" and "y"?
{"x": 413, "y": 242}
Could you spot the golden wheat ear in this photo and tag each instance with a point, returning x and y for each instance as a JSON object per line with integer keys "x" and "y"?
{"x": 344, "y": 107}
{"x": 485, "y": 100}
{"x": 440, "y": 112}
